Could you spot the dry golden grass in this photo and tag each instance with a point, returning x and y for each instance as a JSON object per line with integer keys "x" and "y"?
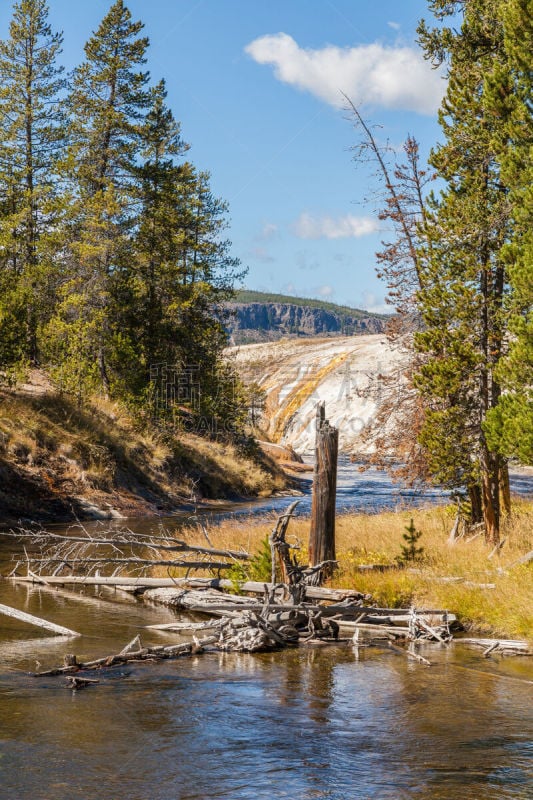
{"x": 225, "y": 462}
{"x": 506, "y": 610}
{"x": 99, "y": 448}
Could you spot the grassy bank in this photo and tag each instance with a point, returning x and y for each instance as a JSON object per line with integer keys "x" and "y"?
{"x": 58, "y": 461}
{"x": 505, "y": 610}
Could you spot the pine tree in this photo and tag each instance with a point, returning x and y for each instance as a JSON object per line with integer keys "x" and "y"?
{"x": 180, "y": 274}
{"x": 464, "y": 274}
{"x": 155, "y": 276}
{"x": 208, "y": 274}
{"x": 31, "y": 139}
{"x": 508, "y": 98}
{"x": 108, "y": 103}
{"x": 410, "y": 551}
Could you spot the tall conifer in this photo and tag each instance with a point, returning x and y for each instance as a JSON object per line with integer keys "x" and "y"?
{"x": 462, "y": 299}
{"x": 509, "y": 98}
{"x": 108, "y": 103}
{"x": 31, "y": 138}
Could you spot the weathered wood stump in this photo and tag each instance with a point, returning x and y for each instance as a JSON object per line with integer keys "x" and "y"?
{"x": 322, "y": 533}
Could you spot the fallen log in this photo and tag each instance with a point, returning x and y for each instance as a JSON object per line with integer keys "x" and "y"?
{"x": 14, "y": 613}
{"x": 503, "y": 644}
{"x": 253, "y": 587}
{"x": 522, "y": 560}
{"x": 142, "y": 654}
{"x": 181, "y": 627}
{"x": 386, "y": 631}
{"x": 134, "y": 560}
{"x": 127, "y": 538}
{"x": 217, "y": 602}
{"x": 474, "y": 585}
{"x": 433, "y": 618}
{"x": 201, "y": 600}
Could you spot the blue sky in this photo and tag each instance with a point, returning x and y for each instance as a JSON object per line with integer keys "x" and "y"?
{"x": 256, "y": 86}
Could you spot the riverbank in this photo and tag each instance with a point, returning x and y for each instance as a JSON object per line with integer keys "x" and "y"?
{"x": 488, "y": 596}
{"x": 59, "y": 462}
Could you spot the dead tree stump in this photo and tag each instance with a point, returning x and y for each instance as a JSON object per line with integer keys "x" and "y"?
{"x": 322, "y": 534}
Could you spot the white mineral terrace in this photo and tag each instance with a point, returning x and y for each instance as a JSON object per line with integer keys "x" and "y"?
{"x": 346, "y": 372}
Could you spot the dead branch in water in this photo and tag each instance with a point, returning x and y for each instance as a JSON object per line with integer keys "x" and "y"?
{"x": 72, "y": 665}
{"x": 82, "y": 552}
{"x": 292, "y": 572}
{"x": 14, "y": 613}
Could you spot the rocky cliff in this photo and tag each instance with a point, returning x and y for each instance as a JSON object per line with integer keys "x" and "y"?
{"x": 262, "y": 322}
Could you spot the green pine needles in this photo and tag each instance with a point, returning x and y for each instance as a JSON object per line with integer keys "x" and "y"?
{"x": 114, "y": 264}
{"x": 460, "y": 268}
{"x": 410, "y": 551}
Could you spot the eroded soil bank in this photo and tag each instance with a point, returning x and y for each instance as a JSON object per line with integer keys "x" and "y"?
{"x": 59, "y": 462}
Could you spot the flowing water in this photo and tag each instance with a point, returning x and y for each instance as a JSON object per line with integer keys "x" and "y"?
{"x": 335, "y": 722}
{"x": 371, "y": 491}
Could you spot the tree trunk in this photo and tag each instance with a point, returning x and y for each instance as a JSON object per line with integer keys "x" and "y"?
{"x": 322, "y": 533}
{"x": 476, "y": 504}
{"x": 490, "y": 487}
{"x": 505, "y": 489}
{"x": 103, "y": 372}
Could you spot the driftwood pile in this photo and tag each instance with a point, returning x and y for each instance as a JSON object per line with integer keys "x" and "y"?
{"x": 242, "y": 624}
{"x": 249, "y": 625}
{"x": 295, "y": 610}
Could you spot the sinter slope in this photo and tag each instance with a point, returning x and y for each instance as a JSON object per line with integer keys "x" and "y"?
{"x": 346, "y": 372}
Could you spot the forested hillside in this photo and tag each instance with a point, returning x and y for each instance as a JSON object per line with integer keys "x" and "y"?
{"x": 114, "y": 272}
{"x": 113, "y": 259}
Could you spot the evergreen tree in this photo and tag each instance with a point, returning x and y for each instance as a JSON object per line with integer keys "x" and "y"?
{"x": 208, "y": 276}
{"x": 465, "y": 281}
{"x": 108, "y": 103}
{"x": 181, "y": 271}
{"x": 508, "y": 98}
{"x": 31, "y": 139}
{"x": 410, "y": 550}
{"x": 155, "y": 275}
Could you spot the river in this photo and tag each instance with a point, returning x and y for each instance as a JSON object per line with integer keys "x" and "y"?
{"x": 370, "y": 491}
{"x": 335, "y": 723}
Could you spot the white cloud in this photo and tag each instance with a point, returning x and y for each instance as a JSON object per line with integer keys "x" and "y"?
{"x": 326, "y": 291}
{"x": 390, "y": 77}
{"x": 268, "y": 231}
{"x": 325, "y": 227}
{"x": 394, "y": 25}
{"x": 375, "y": 305}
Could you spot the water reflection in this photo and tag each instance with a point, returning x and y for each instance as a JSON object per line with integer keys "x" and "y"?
{"x": 332, "y": 723}
{"x": 301, "y": 723}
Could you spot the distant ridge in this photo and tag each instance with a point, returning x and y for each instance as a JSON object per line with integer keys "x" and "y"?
{"x": 252, "y": 296}
{"x": 261, "y": 317}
